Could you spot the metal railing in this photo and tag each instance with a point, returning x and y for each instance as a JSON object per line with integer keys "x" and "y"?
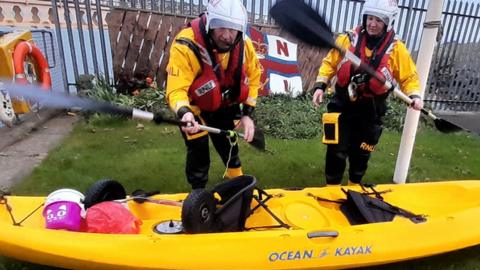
{"x": 85, "y": 47}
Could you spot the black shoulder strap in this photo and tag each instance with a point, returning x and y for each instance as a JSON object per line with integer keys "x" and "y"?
{"x": 192, "y": 46}
{"x": 360, "y": 37}
{"x": 209, "y": 48}
{"x": 379, "y": 55}
{"x": 238, "y": 72}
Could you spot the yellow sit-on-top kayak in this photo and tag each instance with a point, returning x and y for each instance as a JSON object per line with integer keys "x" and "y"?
{"x": 236, "y": 225}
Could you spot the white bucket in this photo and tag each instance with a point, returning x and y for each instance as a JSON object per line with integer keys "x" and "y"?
{"x": 65, "y": 194}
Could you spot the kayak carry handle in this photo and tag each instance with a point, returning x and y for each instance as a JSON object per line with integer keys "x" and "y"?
{"x": 318, "y": 234}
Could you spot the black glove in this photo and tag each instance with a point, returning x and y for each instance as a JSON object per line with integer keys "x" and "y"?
{"x": 319, "y": 85}
{"x": 183, "y": 110}
{"x": 247, "y": 110}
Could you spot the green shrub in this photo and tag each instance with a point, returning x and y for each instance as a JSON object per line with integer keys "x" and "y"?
{"x": 149, "y": 99}
{"x": 395, "y": 118}
{"x": 280, "y": 116}
{"x": 285, "y": 117}
{"x": 99, "y": 89}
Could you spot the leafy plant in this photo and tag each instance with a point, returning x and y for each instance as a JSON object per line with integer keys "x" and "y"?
{"x": 149, "y": 99}
{"x": 286, "y": 117}
{"x": 280, "y": 116}
{"x": 395, "y": 118}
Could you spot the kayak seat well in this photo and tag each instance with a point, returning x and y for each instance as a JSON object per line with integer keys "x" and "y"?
{"x": 225, "y": 208}
{"x": 234, "y": 206}
{"x": 232, "y": 202}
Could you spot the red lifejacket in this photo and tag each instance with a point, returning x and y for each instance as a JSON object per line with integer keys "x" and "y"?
{"x": 345, "y": 70}
{"x": 214, "y": 87}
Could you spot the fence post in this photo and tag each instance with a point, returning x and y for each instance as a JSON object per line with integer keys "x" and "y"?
{"x": 58, "y": 34}
{"x": 425, "y": 53}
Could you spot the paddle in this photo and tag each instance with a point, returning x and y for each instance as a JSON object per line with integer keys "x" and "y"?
{"x": 307, "y": 25}
{"x": 57, "y": 100}
{"x": 258, "y": 137}
{"x": 141, "y": 196}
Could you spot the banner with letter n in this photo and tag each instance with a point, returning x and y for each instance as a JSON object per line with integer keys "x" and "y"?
{"x": 278, "y": 57}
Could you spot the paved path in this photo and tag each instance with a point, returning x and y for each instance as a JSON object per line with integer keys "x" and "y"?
{"x": 467, "y": 120}
{"x": 23, "y": 147}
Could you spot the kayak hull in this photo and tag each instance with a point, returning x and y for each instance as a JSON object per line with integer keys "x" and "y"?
{"x": 319, "y": 237}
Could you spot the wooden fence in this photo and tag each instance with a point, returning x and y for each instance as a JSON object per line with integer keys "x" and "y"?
{"x": 84, "y": 47}
{"x": 141, "y": 41}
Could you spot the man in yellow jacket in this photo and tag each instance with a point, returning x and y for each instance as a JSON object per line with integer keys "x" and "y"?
{"x": 353, "y": 124}
{"x": 213, "y": 79}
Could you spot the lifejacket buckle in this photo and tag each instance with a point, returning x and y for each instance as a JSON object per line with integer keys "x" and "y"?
{"x": 352, "y": 91}
{"x": 226, "y": 94}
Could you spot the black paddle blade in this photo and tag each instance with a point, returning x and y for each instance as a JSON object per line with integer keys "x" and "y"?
{"x": 258, "y": 140}
{"x": 446, "y": 126}
{"x": 303, "y": 22}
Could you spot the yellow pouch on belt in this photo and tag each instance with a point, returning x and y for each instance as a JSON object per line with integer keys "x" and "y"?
{"x": 330, "y": 128}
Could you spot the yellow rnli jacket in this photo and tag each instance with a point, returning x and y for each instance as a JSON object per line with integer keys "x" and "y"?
{"x": 183, "y": 67}
{"x": 401, "y": 63}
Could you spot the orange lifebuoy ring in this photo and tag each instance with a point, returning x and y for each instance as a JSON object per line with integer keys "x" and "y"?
{"x": 24, "y": 49}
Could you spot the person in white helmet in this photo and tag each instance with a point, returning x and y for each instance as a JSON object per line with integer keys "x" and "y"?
{"x": 213, "y": 79}
{"x": 353, "y": 124}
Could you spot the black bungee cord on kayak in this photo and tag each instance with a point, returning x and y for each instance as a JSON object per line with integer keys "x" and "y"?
{"x": 3, "y": 200}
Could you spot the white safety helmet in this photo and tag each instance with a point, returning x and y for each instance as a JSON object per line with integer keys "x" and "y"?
{"x": 229, "y": 14}
{"x": 386, "y": 10}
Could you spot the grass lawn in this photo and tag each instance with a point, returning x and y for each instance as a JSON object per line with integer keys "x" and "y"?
{"x": 152, "y": 158}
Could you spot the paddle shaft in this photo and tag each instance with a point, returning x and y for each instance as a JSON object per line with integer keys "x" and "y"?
{"x": 148, "y": 116}
{"x": 356, "y": 61}
{"x": 56, "y": 100}
{"x": 145, "y": 199}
